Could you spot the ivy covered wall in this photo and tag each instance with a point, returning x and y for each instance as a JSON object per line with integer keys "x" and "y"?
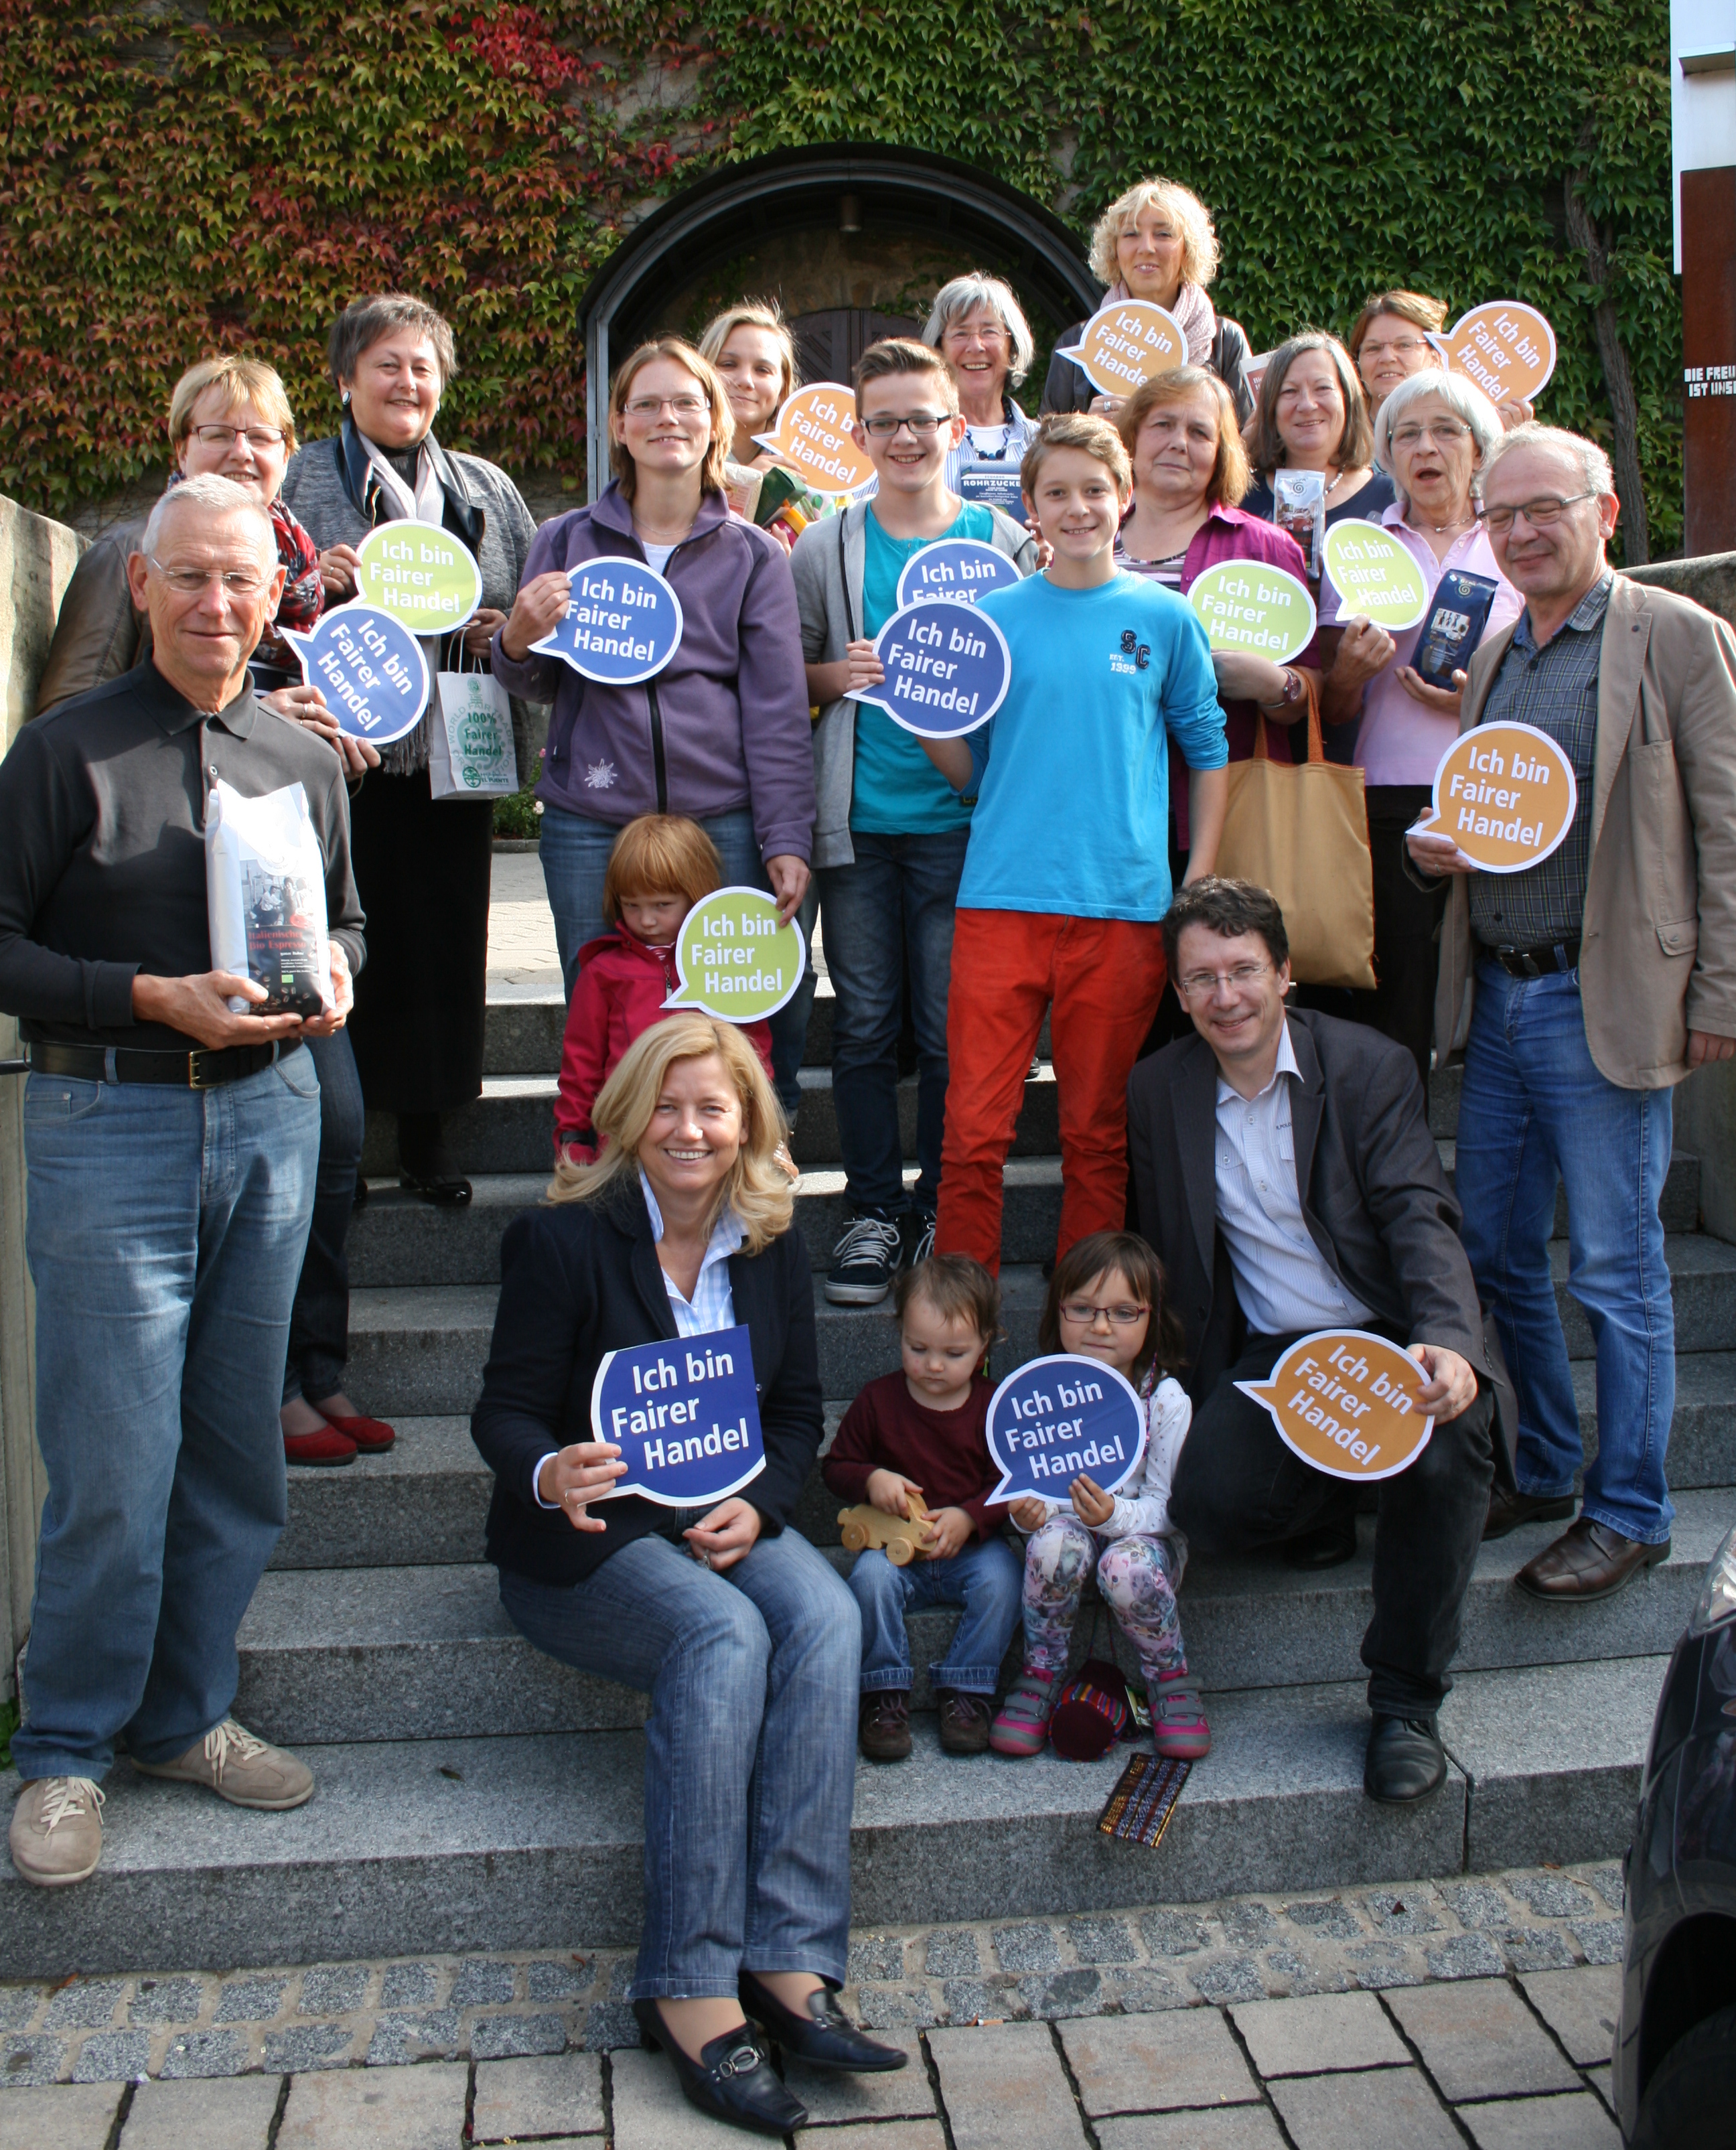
{"x": 181, "y": 176}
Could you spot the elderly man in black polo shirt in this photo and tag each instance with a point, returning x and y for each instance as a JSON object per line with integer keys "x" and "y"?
{"x": 170, "y": 1148}
{"x": 1602, "y": 975}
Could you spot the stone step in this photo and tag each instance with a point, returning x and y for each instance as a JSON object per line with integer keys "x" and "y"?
{"x": 419, "y": 1350}
{"x": 397, "y": 1239}
{"x": 456, "y": 1845}
{"x": 510, "y": 1128}
{"x": 333, "y": 1655}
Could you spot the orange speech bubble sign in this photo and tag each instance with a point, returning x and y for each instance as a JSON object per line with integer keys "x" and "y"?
{"x": 1506, "y": 348}
{"x": 1129, "y": 341}
{"x": 1506, "y": 795}
{"x": 1347, "y": 1403}
{"x": 812, "y": 435}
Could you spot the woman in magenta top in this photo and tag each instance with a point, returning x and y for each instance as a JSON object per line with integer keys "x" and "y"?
{"x": 1190, "y": 470}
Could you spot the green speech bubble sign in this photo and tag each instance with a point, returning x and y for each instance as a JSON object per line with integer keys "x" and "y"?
{"x": 1263, "y": 612}
{"x": 734, "y": 959}
{"x": 419, "y": 574}
{"x": 1376, "y": 578}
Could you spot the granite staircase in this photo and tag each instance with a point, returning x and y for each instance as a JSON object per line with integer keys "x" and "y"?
{"x": 473, "y": 1795}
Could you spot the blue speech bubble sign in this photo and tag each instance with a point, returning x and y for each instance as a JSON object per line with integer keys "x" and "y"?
{"x": 1057, "y": 1417}
{"x": 369, "y": 668}
{"x": 947, "y": 669}
{"x": 958, "y": 568}
{"x": 623, "y": 624}
{"x": 684, "y": 1415}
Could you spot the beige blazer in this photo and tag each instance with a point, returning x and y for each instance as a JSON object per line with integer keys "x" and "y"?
{"x": 1658, "y": 952}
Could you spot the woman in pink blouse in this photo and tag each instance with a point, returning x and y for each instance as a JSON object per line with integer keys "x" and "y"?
{"x": 1432, "y": 433}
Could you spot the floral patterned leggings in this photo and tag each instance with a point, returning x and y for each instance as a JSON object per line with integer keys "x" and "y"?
{"x": 1138, "y": 1576}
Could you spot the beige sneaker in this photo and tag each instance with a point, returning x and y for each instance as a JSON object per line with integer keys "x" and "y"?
{"x": 239, "y": 1769}
{"x": 57, "y": 1831}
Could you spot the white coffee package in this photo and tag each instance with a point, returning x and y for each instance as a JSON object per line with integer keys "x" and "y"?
{"x": 265, "y": 899}
{"x": 1299, "y": 505}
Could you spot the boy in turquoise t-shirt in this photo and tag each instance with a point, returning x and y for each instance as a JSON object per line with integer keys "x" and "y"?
{"x": 891, "y": 834}
{"x": 1067, "y": 875}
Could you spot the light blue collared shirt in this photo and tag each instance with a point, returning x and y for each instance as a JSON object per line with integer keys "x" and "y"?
{"x": 1282, "y": 1280}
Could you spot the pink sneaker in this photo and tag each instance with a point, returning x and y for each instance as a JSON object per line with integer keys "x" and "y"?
{"x": 1178, "y": 1717}
{"x": 1022, "y": 1724}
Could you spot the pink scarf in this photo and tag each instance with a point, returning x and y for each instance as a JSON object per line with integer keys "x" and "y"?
{"x": 1192, "y": 314}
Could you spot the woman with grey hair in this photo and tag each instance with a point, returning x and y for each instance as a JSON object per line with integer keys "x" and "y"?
{"x": 422, "y": 863}
{"x": 979, "y": 328}
{"x": 1434, "y": 432}
{"x": 1156, "y": 242}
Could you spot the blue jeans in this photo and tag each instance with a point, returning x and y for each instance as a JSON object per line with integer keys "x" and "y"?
{"x": 165, "y": 1235}
{"x": 987, "y": 1578}
{"x": 749, "y": 1752}
{"x": 1536, "y": 1112}
{"x": 889, "y": 911}
{"x": 319, "y": 1317}
{"x": 575, "y": 851}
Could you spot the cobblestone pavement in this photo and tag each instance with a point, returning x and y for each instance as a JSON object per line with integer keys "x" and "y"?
{"x": 1367, "y": 2018}
{"x": 521, "y": 927}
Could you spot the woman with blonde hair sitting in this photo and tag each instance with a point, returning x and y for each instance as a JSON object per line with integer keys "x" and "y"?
{"x": 1156, "y": 242}
{"x": 744, "y": 1638}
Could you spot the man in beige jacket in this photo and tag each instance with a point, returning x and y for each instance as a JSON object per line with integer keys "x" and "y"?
{"x": 1595, "y": 980}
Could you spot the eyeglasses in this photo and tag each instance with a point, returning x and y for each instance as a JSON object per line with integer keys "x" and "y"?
{"x": 191, "y": 582}
{"x": 260, "y": 437}
{"x": 1444, "y": 432}
{"x": 963, "y": 333}
{"x": 1541, "y": 514}
{"x": 1081, "y": 1312}
{"x": 651, "y": 407}
{"x": 921, "y": 426}
{"x": 1199, "y": 983}
{"x": 1400, "y": 347}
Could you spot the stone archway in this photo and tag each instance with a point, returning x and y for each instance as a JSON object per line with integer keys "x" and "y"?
{"x": 853, "y": 239}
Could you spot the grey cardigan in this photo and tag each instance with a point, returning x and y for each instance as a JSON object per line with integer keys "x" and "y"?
{"x": 326, "y": 487}
{"x": 828, "y": 564}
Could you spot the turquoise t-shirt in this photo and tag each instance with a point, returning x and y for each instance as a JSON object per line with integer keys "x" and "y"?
{"x": 897, "y": 790}
{"x": 1073, "y": 772}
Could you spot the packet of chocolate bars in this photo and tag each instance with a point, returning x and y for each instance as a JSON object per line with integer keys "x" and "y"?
{"x": 265, "y": 900}
{"x": 1299, "y": 505}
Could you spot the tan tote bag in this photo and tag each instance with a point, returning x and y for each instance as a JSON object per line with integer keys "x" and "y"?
{"x": 1302, "y": 832}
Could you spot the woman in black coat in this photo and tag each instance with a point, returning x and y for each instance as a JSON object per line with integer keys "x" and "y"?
{"x": 745, "y": 1639}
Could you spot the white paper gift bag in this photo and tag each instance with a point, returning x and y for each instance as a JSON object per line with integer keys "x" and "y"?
{"x": 471, "y": 754}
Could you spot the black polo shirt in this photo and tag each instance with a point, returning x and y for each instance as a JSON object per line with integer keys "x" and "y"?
{"x": 103, "y": 855}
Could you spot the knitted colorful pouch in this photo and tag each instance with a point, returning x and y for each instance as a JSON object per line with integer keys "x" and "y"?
{"x": 1091, "y": 1713}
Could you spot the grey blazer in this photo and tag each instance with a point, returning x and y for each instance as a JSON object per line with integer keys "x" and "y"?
{"x": 1373, "y": 1192}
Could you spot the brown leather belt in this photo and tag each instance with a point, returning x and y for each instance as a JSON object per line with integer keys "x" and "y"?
{"x": 203, "y": 1069}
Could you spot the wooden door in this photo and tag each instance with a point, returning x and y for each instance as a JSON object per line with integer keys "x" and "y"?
{"x": 828, "y": 344}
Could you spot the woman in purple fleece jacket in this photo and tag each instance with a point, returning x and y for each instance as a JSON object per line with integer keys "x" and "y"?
{"x": 722, "y": 733}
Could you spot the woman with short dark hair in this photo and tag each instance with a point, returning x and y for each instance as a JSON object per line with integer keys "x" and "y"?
{"x": 421, "y": 863}
{"x": 744, "y": 1638}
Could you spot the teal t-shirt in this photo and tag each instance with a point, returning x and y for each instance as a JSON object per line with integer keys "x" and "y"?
{"x": 897, "y": 790}
{"x": 1072, "y": 771}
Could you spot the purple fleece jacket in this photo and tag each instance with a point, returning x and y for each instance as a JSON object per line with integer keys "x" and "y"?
{"x": 723, "y": 725}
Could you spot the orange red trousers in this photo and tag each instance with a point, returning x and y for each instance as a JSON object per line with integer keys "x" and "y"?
{"x": 1101, "y": 979}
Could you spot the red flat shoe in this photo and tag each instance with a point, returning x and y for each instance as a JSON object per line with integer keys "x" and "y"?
{"x": 326, "y": 1446}
{"x": 372, "y": 1436}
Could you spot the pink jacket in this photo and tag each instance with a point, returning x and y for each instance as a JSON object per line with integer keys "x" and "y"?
{"x": 623, "y": 986}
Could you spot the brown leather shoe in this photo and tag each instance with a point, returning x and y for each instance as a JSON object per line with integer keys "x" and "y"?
{"x": 1507, "y": 1511}
{"x": 884, "y": 1728}
{"x": 1588, "y": 1561}
{"x": 964, "y": 1722}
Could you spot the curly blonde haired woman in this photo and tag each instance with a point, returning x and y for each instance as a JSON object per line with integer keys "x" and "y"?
{"x": 1156, "y": 242}
{"x": 746, "y": 1640}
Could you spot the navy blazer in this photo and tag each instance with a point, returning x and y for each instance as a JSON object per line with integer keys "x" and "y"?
{"x": 581, "y": 1279}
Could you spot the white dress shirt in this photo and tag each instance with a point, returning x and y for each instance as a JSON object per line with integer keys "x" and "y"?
{"x": 1284, "y": 1283}
{"x": 712, "y": 1306}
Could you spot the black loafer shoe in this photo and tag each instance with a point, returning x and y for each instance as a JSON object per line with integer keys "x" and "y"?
{"x": 1331, "y": 1545}
{"x": 825, "y": 2038}
{"x": 445, "y": 1192}
{"x": 1405, "y": 1760}
{"x": 732, "y": 2079}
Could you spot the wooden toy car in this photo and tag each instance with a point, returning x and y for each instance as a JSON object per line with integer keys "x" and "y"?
{"x": 900, "y": 1541}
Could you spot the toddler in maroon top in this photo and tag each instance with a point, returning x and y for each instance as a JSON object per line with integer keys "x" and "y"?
{"x": 661, "y": 864}
{"x": 921, "y": 1430}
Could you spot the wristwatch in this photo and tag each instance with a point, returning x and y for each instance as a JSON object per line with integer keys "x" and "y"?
{"x": 1292, "y": 691}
